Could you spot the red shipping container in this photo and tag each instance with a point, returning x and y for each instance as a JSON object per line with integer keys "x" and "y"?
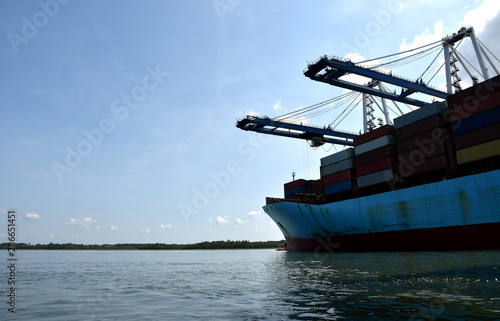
{"x": 430, "y": 164}
{"x": 375, "y": 166}
{"x": 478, "y": 136}
{"x": 374, "y": 134}
{"x": 336, "y": 177}
{"x": 296, "y": 183}
{"x": 485, "y": 88}
{"x": 422, "y": 153}
{"x": 376, "y": 154}
{"x": 436, "y": 135}
{"x": 419, "y": 127}
{"x": 475, "y": 107}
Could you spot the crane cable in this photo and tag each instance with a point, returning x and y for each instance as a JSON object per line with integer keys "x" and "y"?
{"x": 482, "y": 44}
{"x": 315, "y": 106}
{"x": 357, "y": 96}
{"x": 398, "y": 53}
{"x": 408, "y": 57}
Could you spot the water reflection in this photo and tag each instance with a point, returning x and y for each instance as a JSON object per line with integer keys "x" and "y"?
{"x": 411, "y": 285}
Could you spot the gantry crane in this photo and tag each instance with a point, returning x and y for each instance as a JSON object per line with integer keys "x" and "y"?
{"x": 330, "y": 69}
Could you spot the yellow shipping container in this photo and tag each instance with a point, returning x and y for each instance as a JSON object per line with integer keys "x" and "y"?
{"x": 478, "y": 152}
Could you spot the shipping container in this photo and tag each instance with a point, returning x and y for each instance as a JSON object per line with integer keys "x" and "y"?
{"x": 475, "y": 107}
{"x": 478, "y": 136}
{"x": 450, "y": 151}
{"x": 472, "y": 93}
{"x": 375, "y": 178}
{"x": 425, "y": 166}
{"x": 477, "y": 152}
{"x": 374, "y": 134}
{"x": 335, "y": 177}
{"x": 337, "y": 157}
{"x": 338, "y": 187}
{"x": 436, "y": 121}
{"x": 295, "y": 183}
{"x": 375, "y": 166}
{"x": 422, "y": 153}
{"x": 317, "y": 190}
{"x": 477, "y": 121}
{"x": 419, "y": 114}
{"x": 437, "y": 135}
{"x": 336, "y": 167}
{"x": 376, "y": 154}
{"x": 295, "y": 190}
{"x": 374, "y": 144}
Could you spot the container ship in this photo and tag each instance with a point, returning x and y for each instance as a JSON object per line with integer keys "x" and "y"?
{"x": 428, "y": 180}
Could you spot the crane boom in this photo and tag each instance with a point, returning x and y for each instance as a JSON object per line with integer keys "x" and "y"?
{"x": 316, "y": 135}
{"x": 329, "y": 70}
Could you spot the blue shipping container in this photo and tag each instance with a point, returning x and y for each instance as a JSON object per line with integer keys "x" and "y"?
{"x": 338, "y": 187}
{"x": 477, "y": 121}
{"x": 295, "y": 190}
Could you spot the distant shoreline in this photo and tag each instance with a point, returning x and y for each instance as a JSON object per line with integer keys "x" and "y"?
{"x": 212, "y": 245}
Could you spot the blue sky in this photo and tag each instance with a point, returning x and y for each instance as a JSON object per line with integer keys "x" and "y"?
{"x": 118, "y": 117}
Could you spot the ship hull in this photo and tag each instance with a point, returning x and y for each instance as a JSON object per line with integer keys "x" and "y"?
{"x": 457, "y": 214}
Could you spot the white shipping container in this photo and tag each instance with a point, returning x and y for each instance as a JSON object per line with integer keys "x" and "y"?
{"x": 336, "y": 167}
{"x": 337, "y": 157}
{"x": 419, "y": 114}
{"x": 374, "y": 144}
{"x": 376, "y": 178}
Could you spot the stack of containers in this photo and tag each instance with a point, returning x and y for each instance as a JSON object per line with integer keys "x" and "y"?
{"x": 374, "y": 152}
{"x": 421, "y": 137}
{"x": 337, "y": 172}
{"x": 476, "y": 123}
{"x": 295, "y": 187}
{"x": 301, "y": 186}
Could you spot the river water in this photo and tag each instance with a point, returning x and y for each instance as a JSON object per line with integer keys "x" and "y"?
{"x": 252, "y": 285}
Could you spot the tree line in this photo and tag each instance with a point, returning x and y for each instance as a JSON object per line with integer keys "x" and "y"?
{"x": 207, "y": 245}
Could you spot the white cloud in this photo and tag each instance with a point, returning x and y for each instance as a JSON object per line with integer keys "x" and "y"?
{"x": 424, "y": 38}
{"x": 145, "y": 230}
{"x": 278, "y": 106}
{"x": 114, "y": 228}
{"x": 221, "y": 220}
{"x": 32, "y": 216}
{"x": 165, "y": 226}
{"x": 240, "y": 222}
{"x": 478, "y": 17}
{"x": 51, "y": 235}
{"x": 85, "y": 222}
{"x": 354, "y": 57}
{"x": 254, "y": 214}
{"x": 257, "y": 229}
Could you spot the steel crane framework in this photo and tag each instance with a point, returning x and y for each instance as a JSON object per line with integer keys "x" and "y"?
{"x": 329, "y": 70}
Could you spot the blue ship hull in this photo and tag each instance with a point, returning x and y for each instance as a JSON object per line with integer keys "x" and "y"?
{"x": 456, "y": 214}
